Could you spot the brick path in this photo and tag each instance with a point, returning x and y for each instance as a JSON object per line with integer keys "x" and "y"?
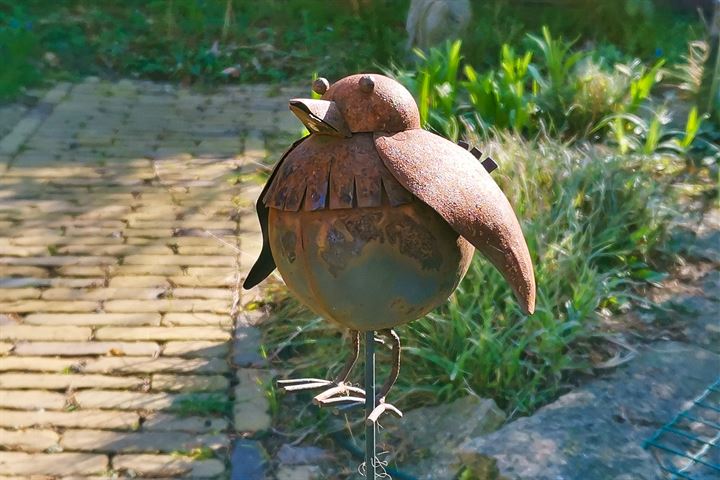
{"x": 122, "y": 211}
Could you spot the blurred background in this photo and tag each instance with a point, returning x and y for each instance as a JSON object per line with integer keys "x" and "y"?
{"x": 603, "y": 115}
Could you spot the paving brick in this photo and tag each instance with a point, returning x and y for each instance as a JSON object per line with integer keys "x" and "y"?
{"x": 188, "y": 383}
{"x": 93, "y": 319}
{"x": 31, "y": 399}
{"x": 167, "y": 305}
{"x": 148, "y": 281}
{"x": 169, "y": 422}
{"x": 149, "y": 269}
{"x": 198, "y": 260}
{"x": 172, "y": 465}
{"x": 228, "y": 280}
{"x": 31, "y": 332}
{"x": 217, "y": 249}
{"x": 124, "y": 442}
{"x": 108, "y": 399}
{"x": 246, "y": 347}
{"x": 28, "y": 440}
{"x": 65, "y": 381}
{"x": 229, "y": 270}
{"x": 86, "y": 270}
{"x": 36, "y": 364}
{"x": 148, "y": 232}
{"x": 110, "y": 419}
{"x": 150, "y": 365}
{"x": 20, "y": 251}
{"x": 18, "y": 294}
{"x": 197, "y": 349}
{"x": 58, "y": 261}
{"x": 24, "y": 271}
{"x": 105, "y": 250}
{"x": 207, "y": 293}
{"x": 65, "y": 282}
{"x": 19, "y": 463}
{"x": 251, "y": 407}
{"x": 25, "y": 306}
{"x": 70, "y": 349}
{"x": 102, "y": 293}
{"x": 196, "y": 318}
{"x": 23, "y": 282}
{"x": 162, "y": 333}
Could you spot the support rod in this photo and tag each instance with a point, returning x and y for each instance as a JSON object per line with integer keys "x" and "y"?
{"x": 370, "y": 430}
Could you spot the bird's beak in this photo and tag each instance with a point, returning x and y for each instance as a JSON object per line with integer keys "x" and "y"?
{"x": 320, "y": 116}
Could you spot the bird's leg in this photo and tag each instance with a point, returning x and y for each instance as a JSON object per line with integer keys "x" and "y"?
{"x": 341, "y": 391}
{"x": 382, "y": 406}
{"x": 337, "y": 386}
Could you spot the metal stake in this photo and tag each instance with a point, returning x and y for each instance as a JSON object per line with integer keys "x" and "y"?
{"x": 371, "y": 429}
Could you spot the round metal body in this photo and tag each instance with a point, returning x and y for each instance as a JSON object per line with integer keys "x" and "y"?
{"x": 369, "y": 268}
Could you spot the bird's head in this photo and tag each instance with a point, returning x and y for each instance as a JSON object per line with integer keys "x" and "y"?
{"x": 358, "y": 103}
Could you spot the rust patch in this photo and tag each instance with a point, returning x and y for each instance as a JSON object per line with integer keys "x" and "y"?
{"x": 337, "y": 250}
{"x": 288, "y": 241}
{"x": 415, "y": 241}
{"x": 403, "y": 308}
{"x": 347, "y": 236}
{"x": 364, "y": 226}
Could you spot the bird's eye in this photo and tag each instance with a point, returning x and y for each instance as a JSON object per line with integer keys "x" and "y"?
{"x": 367, "y": 83}
{"x": 320, "y": 85}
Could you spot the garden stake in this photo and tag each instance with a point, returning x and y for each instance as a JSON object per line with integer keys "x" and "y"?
{"x": 372, "y": 223}
{"x": 370, "y": 427}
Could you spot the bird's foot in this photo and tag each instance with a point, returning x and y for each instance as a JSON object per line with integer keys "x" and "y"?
{"x": 300, "y": 384}
{"x": 382, "y": 407}
{"x": 339, "y": 394}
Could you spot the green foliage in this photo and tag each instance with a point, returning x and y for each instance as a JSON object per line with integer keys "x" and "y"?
{"x": 199, "y": 453}
{"x": 19, "y": 51}
{"x": 499, "y": 99}
{"x": 558, "y": 61}
{"x": 206, "y": 41}
{"x": 553, "y": 90}
{"x": 642, "y": 80}
{"x": 212, "y": 41}
{"x": 203, "y": 404}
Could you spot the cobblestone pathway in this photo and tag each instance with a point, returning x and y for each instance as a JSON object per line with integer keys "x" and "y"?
{"x": 125, "y": 348}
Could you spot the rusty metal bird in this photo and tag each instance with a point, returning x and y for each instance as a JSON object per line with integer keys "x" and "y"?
{"x": 373, "y": 221}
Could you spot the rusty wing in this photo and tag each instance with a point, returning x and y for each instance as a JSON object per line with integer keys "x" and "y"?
{"x": 456, "y": 185}
{"x": 265, "y": 264}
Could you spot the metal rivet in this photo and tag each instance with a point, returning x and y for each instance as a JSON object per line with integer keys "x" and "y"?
{"x": 367, "y": 83}
{"x": 320, "y": 85}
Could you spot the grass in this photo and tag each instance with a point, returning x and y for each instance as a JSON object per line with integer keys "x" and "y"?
{"x": 203, "y": 404}
{"x": 217, "y": 41}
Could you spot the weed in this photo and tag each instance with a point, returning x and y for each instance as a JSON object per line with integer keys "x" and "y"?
{"x": 203, "y": 404}
{"x": 199, "y": 453}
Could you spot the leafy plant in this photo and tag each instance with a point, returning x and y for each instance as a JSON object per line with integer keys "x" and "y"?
{"x": 633, "y": 133}
{"x": 558, "y": 60}
{"x": 500, "y": 99}
{"x": 642, "y": 80}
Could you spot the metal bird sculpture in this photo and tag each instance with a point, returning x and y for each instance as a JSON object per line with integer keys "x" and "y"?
{"x": 373, "y": 221}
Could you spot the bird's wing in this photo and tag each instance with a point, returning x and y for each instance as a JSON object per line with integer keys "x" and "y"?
{"x": 455, "y": 184}
{"x": 265, "y": 264}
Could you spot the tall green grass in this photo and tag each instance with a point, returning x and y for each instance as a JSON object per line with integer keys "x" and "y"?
{"x": 596, "y": 226}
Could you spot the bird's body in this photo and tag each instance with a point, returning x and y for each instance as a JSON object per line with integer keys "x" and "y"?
{"x": 372, "y": 221}
{"x": 369, "y": 257}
